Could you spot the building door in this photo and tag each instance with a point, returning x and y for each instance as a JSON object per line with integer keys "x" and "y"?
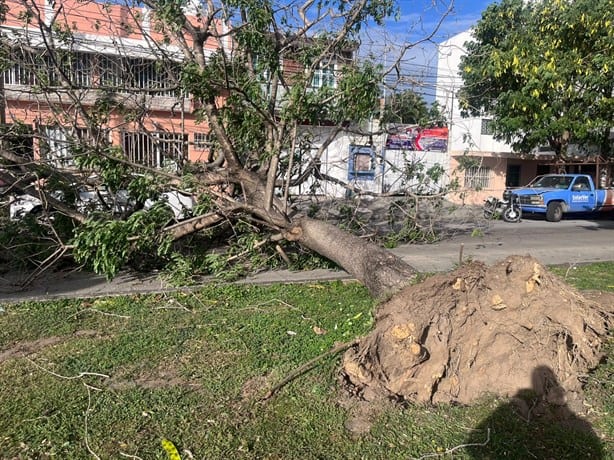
{"x": 512, "y": 176}
{"x": 543, "y": 169}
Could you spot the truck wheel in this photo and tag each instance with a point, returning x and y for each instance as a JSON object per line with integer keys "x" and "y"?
{"x": 554, "y": 212}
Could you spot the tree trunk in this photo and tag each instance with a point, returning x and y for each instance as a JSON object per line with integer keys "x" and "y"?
{"x": 379, "y": 270}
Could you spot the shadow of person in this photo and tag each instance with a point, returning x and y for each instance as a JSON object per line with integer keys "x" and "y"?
{"x": 536, "y": 423}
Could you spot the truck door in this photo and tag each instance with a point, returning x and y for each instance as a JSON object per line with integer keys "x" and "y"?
{"x": 583, "y": 198}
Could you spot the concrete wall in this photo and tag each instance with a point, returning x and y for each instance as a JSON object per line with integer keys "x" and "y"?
{"x": 388, "y": 166}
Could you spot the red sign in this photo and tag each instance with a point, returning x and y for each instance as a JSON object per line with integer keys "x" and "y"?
{"x": 417, "y": 138}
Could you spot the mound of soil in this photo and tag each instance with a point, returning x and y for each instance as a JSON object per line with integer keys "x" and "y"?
{"x": 478, "y": 330}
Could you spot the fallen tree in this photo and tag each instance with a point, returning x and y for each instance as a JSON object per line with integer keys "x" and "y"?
{"x": 447, "y": 339}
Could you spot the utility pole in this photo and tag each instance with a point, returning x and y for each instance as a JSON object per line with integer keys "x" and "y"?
{"x": 2, "y": 93}
{"x": 2, "y": 101}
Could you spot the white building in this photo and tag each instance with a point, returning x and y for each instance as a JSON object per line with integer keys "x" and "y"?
{"x": 364, "y": 163}
{"x": 493, "y": 164}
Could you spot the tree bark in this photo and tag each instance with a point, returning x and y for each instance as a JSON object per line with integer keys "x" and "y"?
{"x": 382, "y": 272}
{"x": 379, "y": 270}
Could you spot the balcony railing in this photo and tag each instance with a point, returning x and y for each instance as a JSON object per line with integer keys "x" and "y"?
{"x": 91, "y": 71}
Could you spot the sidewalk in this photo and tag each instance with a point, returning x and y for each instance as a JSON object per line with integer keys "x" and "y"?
{"x": 425, "y": 258}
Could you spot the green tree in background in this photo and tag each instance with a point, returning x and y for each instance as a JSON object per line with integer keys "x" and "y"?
{"x": 408, "y": 107}
{"x": 545, "y": 72}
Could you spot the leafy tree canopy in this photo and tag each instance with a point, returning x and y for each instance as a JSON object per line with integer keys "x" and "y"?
{"x": 252, "y": 76}
{"x": 544, "y": 71}
{"x": 408, "y": 107}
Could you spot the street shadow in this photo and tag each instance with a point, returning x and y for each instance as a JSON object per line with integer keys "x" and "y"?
{"x": 604, "y": 220}
{"x": 536, "y": 423}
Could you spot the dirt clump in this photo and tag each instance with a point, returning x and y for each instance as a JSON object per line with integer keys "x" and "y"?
{"x": 479, "y": 330}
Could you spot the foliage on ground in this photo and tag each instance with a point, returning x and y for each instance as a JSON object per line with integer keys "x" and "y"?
{"x": 113, "y": 377}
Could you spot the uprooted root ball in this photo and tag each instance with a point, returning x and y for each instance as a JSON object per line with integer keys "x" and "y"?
{"x": 478, "y": 330}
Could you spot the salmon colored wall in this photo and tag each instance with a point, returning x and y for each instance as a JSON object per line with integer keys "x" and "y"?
{"x": 498, "y": 165}
{"x": 498, "y": 168}
{"x": 39, "y": 114}
{"x": 90, "y": 17}
{"x": 85, "y": 17}
{"x": 94, "y": 18}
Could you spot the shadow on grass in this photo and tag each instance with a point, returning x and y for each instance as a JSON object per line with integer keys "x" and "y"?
{"x": 537, "y": 423}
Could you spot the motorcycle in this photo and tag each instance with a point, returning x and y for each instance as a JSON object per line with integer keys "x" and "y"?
{"x": 508, "y": 208}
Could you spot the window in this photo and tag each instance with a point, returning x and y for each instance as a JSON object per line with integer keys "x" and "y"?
{"x": 81, "y": 69}
{"x": 57, "y": 143}
{"x": 477, "y": 177}
{"x": 261, "y": 68}
{"x": 37, "y": 68}
{"x": 361, "y": 162}
{"x": 18, "y": 73}
{"x": 74, "y": 67}
{"x": 324, "y": 76}
{"x": 28, "y": 68}
{"x": 486, "y": 127}
{"x": 152, "y": 75}
{"x": 157, "y": 149}
{"x": 110, "y": 71}
{"x": 202, "y": 141}
{"x": 86, "y": 70}
{"x": 582, "y": 184}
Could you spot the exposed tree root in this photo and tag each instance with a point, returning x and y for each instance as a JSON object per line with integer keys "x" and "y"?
{"x": 479, "y": 330}
{"x": 306, "y": 368}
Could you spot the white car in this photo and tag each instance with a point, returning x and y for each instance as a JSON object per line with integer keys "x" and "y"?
{"x": 181, "y": 204}
{"x": 21, "y": 205}
{"x": 100, "y": 199}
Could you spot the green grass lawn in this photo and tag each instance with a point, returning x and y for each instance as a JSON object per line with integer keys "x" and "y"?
{"x": 111, "y": 378}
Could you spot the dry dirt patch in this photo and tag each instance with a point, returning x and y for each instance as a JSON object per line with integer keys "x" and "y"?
{"x": 161, "y": 377}
{"x": 26, "y": 348}
{"x": 478, "y": 330}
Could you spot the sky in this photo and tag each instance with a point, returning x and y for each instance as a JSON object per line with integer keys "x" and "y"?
{"x": 419, "y": 19}
{"x": 423, "y": 15}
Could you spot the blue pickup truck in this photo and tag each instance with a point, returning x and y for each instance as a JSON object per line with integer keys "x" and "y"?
{"x": 558, "y": 194}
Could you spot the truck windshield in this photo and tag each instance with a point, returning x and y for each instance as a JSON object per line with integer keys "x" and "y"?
{"x": 562, "y": 182}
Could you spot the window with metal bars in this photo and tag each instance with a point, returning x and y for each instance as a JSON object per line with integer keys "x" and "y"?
{"x": 324, "y": 76}
{"x": 477, "y": 177}
{"x": 152, "y": 75}
{"x": 486, "y": 128}
{"x": 202, "y": 141}
{"x": 57, "y": 144}
{"x": 110, "y": 71}
{"x": 155, "y": 149}
{"x": 21, "y": 71}
{"x": 39, "y": 68}
{"x": 92, "y": 70}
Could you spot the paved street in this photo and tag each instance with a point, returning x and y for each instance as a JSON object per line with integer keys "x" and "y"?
{"x": 571, "y": 241}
